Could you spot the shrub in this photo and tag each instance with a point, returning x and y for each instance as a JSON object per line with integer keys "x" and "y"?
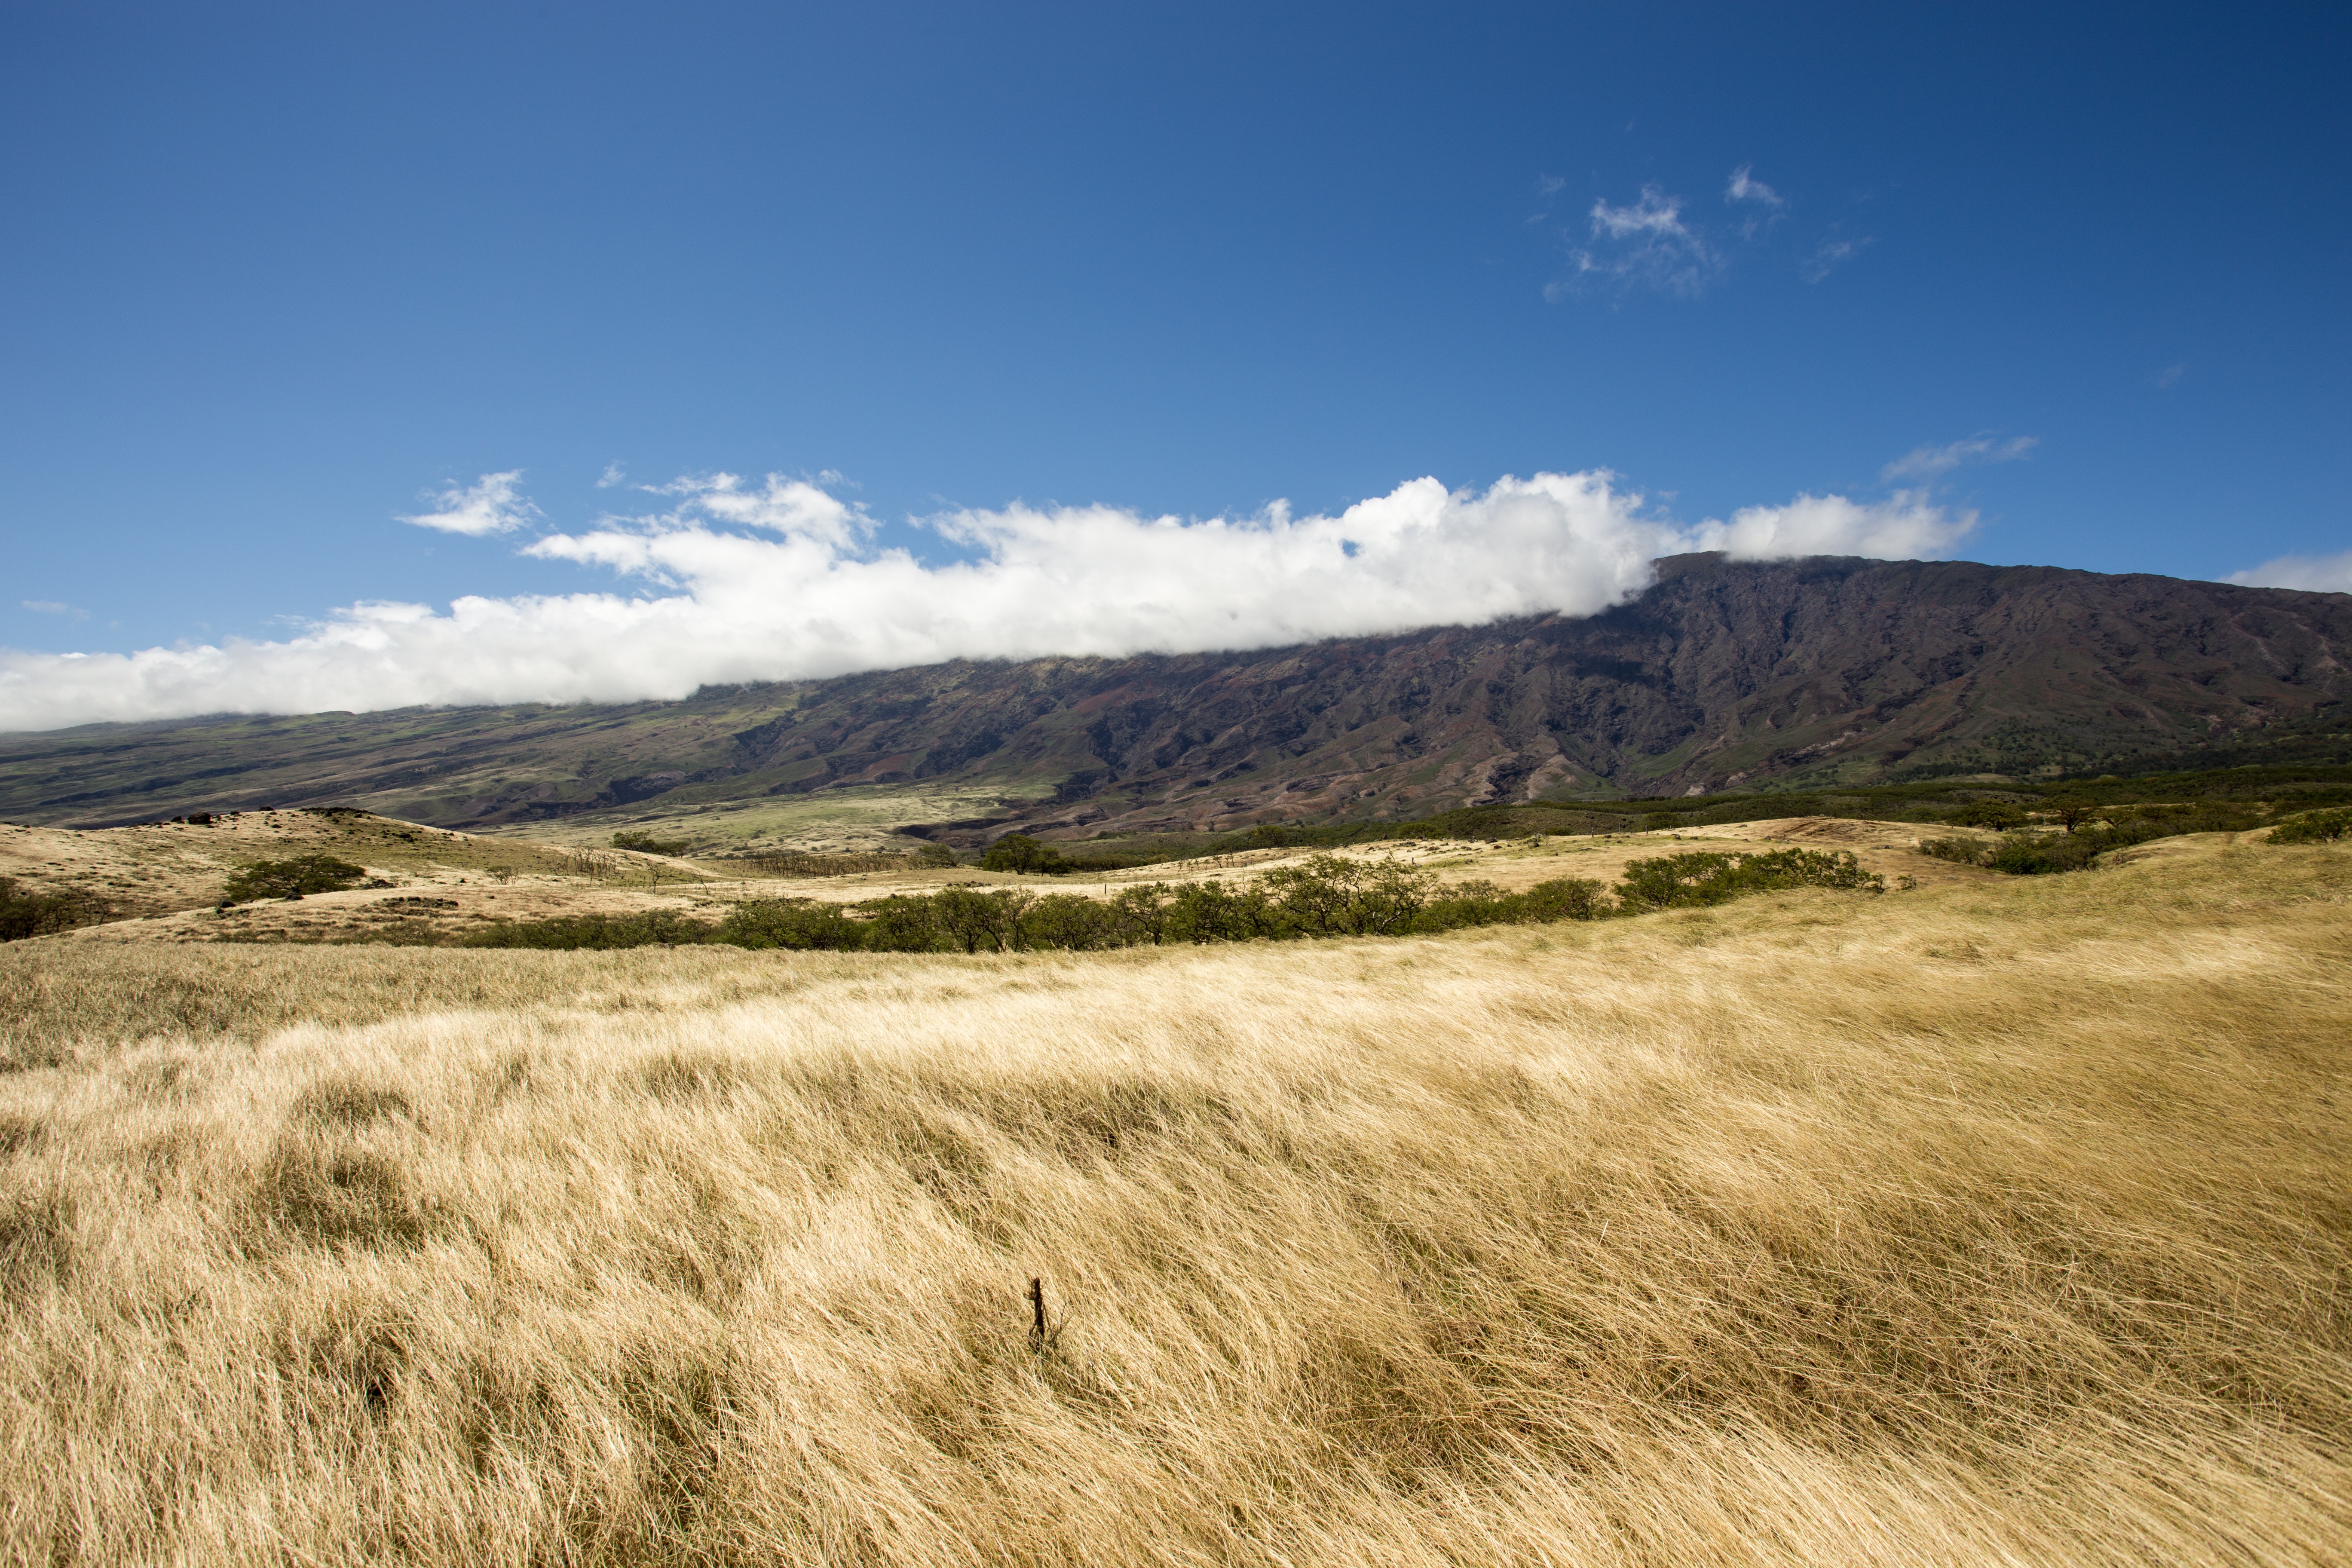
{"x": 1142, "y": 914}
{"x": 1019, "y": 852}
{"x": 1704, "y": 877}
{"x": 1326, "y": 896}
{"x": 1071, "y": 922}
{"x": 973, "y": 919}
{"x": 291, "y": 879}
{"x": 1563, "y": 899}
{"x": 901, "y": 924}
{"x": 599, "y": 933}
{"x": 2040, "y": 854}
{"x": 29, "y": 912}
{"x": 646, "y": 844}
{"x": 1964, "y": 851}
{"x": 803, "y": 924}
{"x": 1209, "y": 911}
{"x": 2314, "y": 827}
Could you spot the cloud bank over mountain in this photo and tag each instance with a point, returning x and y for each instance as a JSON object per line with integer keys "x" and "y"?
{"x": 781, "y": 580}
{"x": 2312, "y": 573}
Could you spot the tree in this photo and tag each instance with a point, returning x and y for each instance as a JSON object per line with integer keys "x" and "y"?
{"x": 2072, "y": 810}
{"x": 1143, "y": 913}
{"x": 1018, "y": 852}
{"x": 291, "y": 879}
{"x": 646, "y": 844}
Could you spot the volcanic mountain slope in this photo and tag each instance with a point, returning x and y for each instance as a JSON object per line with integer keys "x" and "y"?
{"x": 1724, "y": 674}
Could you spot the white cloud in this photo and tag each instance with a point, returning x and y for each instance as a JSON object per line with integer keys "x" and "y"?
{"x": 1746, "y": 187}
{"x": 1829, "y": 255}
{"x": 613, "y": 474}
{"x": 780, "y": 580}
{"x": 1926, "y": 462}
{"x": 54, "y": 607}
{"x": 2170, "y": 377}
{"x": 489, "y": 505}
{"x": 1904, "y": 527}
{"x": 2312, "y": 573}
{"x": 1645, "y": 244}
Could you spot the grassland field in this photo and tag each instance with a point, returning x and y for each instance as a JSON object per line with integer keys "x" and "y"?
{"x": 1994, "y": 1220}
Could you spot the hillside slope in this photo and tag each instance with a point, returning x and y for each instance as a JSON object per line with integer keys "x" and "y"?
{"x": 1827, "y": 669}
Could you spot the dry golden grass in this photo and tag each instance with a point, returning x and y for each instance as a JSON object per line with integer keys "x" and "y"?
{"x": 2000, "y": 1223}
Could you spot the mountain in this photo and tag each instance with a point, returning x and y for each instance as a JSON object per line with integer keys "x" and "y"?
{"x": 1724, "y": 674}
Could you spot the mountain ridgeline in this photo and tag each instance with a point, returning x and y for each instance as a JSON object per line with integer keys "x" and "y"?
{"x": 1723, "y": 675}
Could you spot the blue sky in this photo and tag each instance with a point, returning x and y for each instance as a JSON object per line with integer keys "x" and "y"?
{"x": 280, "y": 275}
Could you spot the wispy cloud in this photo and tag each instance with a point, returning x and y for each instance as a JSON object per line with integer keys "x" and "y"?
{"x": 1656, "y": 242}
{"x": 780, "y": 579}
{"x": 1644, "y": 244}
{"x": 2312, "y": 573}
{"x": 54, "y": 607}
{"x": 1928, "y": 462}
{"x": 2170, "y": 377}
{"x": 491, "y": 504}
{"x": 1829, "y": 255}
{"x": 613, "y": 474}
{"x": 1746, "y": 187}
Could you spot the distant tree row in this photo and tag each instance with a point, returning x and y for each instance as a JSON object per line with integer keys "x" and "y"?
{"x": 1326, "y": 896}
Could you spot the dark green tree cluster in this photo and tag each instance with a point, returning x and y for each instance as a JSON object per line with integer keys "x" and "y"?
{"x": 2314, "y": 827}
{"x": 646, "y": 844}
{"x": 2091, "y": 830}
{"x": 1326, "y": 896}
{"x": 291, "y": 879}
{"x": 1704, "y": 877}
{"x": 1019, "y": 852}
{"x": 31, "y": 912}
{"x": 592, "y": 933}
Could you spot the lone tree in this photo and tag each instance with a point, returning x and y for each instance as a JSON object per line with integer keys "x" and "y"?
{"x": 291, "y": 879}
{"x": 2073, "y": 810}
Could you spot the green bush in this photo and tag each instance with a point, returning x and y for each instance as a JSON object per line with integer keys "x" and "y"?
{"x": 1326, "y": 896}
{"x": 597, "y": 932}
{"x": 1209, "y": 911}
{"x": 646, "y": 844}
{"x": 2042, "y": 854}
{"x": 1999, "y": 815}
{"x": 803, "y": 924}
{"x": 1704, "y": 877}
{"x": 28, "y": 911}
{"x": 1019, "y": 852}
{"x": 1071, "y": 922}
{"x": 1965, "y": 851}
{"x": 1563, "y": 899}
{"x": 291, "y": 879}
{"x": 2314, "y": 827}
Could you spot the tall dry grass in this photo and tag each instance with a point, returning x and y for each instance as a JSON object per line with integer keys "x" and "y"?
{"x": 2001, "y": 1224}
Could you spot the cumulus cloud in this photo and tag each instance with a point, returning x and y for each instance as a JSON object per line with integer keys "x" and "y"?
{"x": 780, "y": 579}
{"x": 2312, "y": 573}
{"x": 1926, "y": 462}
{"x": 491, "y": 504}
{"x": 1643, "y": 244}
